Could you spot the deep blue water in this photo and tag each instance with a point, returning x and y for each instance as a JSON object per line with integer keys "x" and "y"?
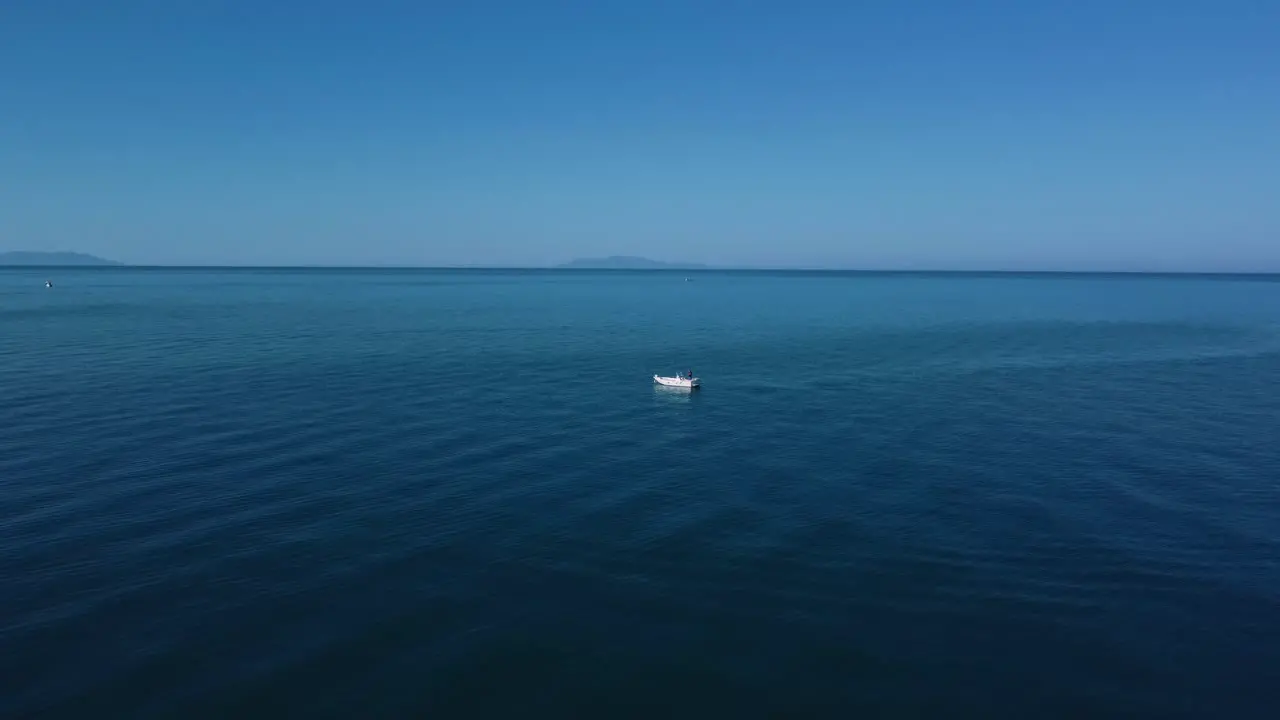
{"x": 240, "y": 493}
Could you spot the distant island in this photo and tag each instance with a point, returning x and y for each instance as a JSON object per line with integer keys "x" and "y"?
{"x": 51, "y": 259}
{"x": 627, "y": 262}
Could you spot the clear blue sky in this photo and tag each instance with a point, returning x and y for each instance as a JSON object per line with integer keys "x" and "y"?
{"x": 1089, "y": 134}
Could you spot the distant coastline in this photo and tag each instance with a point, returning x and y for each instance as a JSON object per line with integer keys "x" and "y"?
{"x": 27, "y": 258}
{"x": 627, "y": 262}
{"x": 33, "y": 259}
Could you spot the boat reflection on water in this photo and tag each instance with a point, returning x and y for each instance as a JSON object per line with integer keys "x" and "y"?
{"x": 668, "y": 394}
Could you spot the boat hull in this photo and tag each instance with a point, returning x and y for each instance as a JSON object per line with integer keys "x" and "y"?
{"x": 677, "y": 382}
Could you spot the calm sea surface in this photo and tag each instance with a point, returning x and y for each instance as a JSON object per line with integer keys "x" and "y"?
{"x": 358, "y": 494}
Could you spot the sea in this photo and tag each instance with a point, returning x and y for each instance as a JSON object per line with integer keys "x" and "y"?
{"x": 384, "y": 493}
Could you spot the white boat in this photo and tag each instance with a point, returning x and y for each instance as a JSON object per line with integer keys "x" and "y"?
{"x": 681, "y": 381}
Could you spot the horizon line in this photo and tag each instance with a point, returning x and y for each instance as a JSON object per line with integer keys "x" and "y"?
{"x": 673, "y": 269}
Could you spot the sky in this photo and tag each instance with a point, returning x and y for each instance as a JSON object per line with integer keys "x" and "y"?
{"x": 986, "y": 134}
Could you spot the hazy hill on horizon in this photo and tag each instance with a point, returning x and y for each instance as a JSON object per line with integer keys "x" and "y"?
{"x": 30, "y": 257}
{"x": 628, "y": 262}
